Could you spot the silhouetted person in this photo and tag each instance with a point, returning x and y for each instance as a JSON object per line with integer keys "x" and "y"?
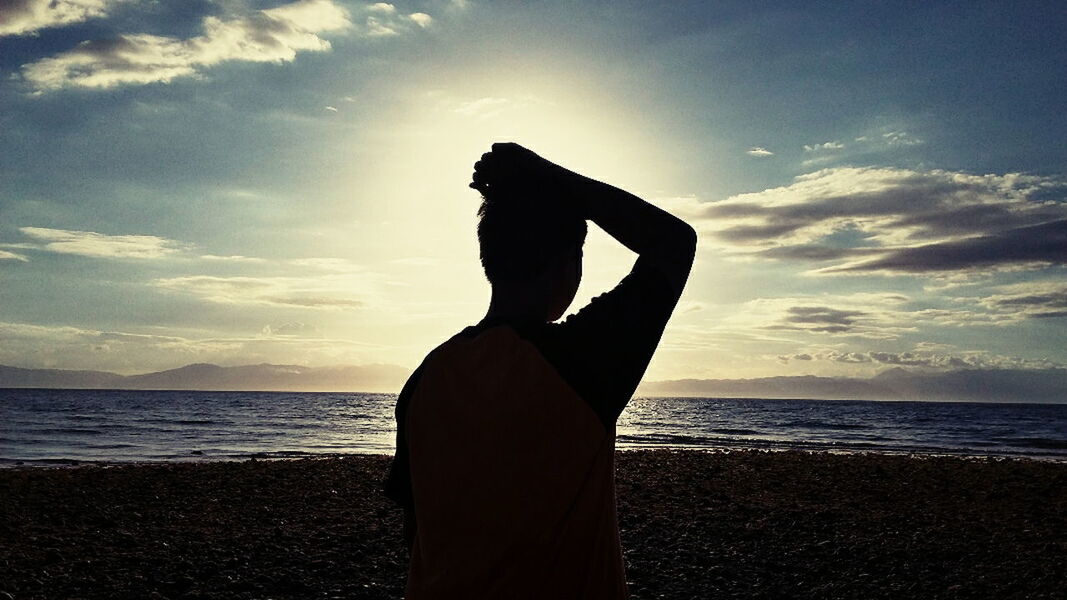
{"x": 506, "y": 432}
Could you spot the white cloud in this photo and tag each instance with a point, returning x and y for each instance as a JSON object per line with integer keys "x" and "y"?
{"x": 272, "y": 35}
{"x": 376, "y": 27}
{"x": 325, "y": 292}
{"x": 421, "y": 19}
{"x": 823, "y": 146}
{"x": 759, "y": 152}
{"x": 20, "y": 17}
{"x": 65, "y": 347}
{"x": 382, "y": 7}
{"x": 236, "y": 258}
{"x": 99, "y": 245}
{"x": 5, "y": 255}
{"x": 924, "y": 358}
{"x": 335, "y": 265}
{"x": 901, "y": 138}
{"x": 292, "y": 328}
{"x": 486, "y": 106}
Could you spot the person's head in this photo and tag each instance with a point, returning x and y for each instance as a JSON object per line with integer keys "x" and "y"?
{"x": 532, "y": 239}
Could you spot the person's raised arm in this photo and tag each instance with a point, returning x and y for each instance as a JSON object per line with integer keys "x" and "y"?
{"x": 651, "y": 232}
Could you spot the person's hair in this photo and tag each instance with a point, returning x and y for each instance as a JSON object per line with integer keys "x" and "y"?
{"x": 522, "y": 231}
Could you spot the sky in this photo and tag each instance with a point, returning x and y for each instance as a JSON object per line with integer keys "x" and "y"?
{"x": 875, "y": 185}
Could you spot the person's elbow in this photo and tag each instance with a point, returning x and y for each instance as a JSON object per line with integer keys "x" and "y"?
{"x": 686, "y": 242}
{"x": 676, "y": 255}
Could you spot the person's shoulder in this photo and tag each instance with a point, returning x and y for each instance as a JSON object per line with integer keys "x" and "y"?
{"x": 440, "y": 347}
{"x": 464, "y": 335}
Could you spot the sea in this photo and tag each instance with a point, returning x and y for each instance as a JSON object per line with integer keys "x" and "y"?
{"x": 73, "y": 427}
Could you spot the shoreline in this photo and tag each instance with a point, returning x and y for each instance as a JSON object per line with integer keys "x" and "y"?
{"x": 199, "y": 459}
{"x": 739, "y": 524}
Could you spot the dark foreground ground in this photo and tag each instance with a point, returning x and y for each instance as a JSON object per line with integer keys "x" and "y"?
{"x": 694, "y": 525}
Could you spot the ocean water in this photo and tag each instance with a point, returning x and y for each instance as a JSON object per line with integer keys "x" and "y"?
{"x": 43, "y": 427}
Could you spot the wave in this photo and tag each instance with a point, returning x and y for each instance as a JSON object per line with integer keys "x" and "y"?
{"x": 166, "y": 421}
{"x": 70, "y": 430}
{"x": 727, "y": 431}
{"x": 1035, "y": 442}
{"x": 236, "y": 426}
{"x": 806, "y": 424}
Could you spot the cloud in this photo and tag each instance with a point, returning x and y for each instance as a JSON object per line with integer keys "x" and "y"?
{"x": 292, "y": 328}
{"x": 863, "y": 315}
{"x": 66, "y": 347}
{"x": 272, "y": 35}
{"x": 1035, "y": 299}
{"x": 382, "y": 7}
{"x": 20, "y": 17}
{"x": 484, "y": 107}
{"x": 925, "y": 359}
{"x": 421, "y": 19}
{"x": 819, "y": 319}
{"x": 376, "y": 27}
{"x": 900, "y": 138}
{"x": 323, "y": 292}
{"x": 759, "y": 152}
{"x": 383, "y": 20}
{"x": 862, "y": 148}
{"x": 335, "y": 265}
{"x": 235, "y": 258}
{"x": 887, "y": 220}
{"x": 1022, "y": 247}
{"x": 823, "y": 146}
{"x": 98, "y": 245}
{"x": 5, "y": 255}
{"x": 875, "y": 316}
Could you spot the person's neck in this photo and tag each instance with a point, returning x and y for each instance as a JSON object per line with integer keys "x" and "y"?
{"x": 517, "y": 301}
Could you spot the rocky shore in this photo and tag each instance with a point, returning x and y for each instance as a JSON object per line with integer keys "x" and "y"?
{"x": 694, "y": 525}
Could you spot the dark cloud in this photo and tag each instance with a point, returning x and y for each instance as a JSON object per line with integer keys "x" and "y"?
{"x": 903, "y": 220}
{"x": 1044, "y": 244}
{"x": 1038, "y": 300}
{"x": 816, "y": 253}
{"x": 823, "y": 319}
{"x": 312, "y": 301}
{"x": 822, "y": 314}
{"x": 750, "y": 233}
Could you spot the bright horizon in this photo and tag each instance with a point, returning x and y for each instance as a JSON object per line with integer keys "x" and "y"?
{"x": 285, "y": 182}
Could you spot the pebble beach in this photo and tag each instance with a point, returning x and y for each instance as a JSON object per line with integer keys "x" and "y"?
{"x": 694, "y": 524}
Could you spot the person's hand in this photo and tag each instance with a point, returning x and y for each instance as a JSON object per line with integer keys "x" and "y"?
{"x": 509, "y": 165}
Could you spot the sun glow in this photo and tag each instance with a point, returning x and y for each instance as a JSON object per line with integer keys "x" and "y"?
{"x": 420, "y": 180}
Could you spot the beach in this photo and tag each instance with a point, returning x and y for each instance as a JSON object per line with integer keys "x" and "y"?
{"x": 694, "y": 524}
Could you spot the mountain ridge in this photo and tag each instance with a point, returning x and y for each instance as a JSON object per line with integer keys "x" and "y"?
{"x": 211, "y": 377}
{"x": 981, "y": 385}
{"x": 975, "y": 385}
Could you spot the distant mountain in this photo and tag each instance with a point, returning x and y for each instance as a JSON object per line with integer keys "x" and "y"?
{"x": 55, "y": 378}
{"x": 262, "y": 377}
{"x": 992, "y": 385}
{"x": 998, "y": 385}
